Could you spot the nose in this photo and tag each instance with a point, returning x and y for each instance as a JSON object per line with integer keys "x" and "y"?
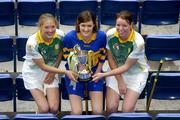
{"x": 86, "y": 28}
{"x": 50, "y": 30}
{"x": 120, "y": 28}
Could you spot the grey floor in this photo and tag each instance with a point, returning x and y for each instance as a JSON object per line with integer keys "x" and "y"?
{"x": 24, "y": 106}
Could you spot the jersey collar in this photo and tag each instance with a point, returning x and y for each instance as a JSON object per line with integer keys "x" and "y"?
{"x": 41, "y": 40}
{"x": 130, "y": 38}
{"x": 92, "y": 38}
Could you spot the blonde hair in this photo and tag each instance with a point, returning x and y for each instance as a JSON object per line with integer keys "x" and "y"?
{"x": 46, "y": 16}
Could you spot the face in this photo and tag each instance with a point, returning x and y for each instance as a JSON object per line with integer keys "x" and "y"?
{"x": 48, "y": 29}
{"x": 123, "y": 28}
{"x": 86, "y": 29}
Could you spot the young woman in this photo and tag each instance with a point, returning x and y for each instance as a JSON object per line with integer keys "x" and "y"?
{"x": 127, "y": 60}
{"x": 87, "y": 37}
{"x": 43, "y": 56}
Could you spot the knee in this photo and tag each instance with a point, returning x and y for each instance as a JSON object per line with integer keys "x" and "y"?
{"x": 112, "y": 108}
{"x": 76, "y": 112}
{"x": 43, "y": 109}
{"x": 54, "y": 108}
{"x": 97, "y": 111}
{"x": 128, "y": 109}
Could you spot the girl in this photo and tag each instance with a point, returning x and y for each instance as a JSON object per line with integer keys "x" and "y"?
{"x": 89, "y": 38}
{"x": 127, "y": 60}
{"x": 43, "y": 56}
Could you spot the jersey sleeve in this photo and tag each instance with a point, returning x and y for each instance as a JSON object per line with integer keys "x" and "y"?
{"x": 32, "y": 50}
{"x": 138, "y": 50}
{"x": 67, "y": 46}
{"x": 103, "y": 49}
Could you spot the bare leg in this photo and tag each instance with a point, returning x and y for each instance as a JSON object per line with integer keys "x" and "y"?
{"x": 76, "y": 104}
{"x": 112, "y": 101}
{"x": 130, "y": 101}
{"x": 53, "y": 99}
{"x": 96, "y": 102}
{"x": 40, "y": 100}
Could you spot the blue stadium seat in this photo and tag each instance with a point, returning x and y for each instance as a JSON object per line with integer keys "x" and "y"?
{"x": 21, "y": 47}
{"x": 130, "y": 116}
{"x": 167, "y": 87}
{"x": 30, "y": 10}
{"x": 7, "y": 90}
{"x": 70, "y": 9}
{"x": 159, "y": 12}
{"x": 6, "y": 87}
{"x": 22, "y": 92}
{"x": 7, "y": 14}
{"x": 7, "y": 50}
{"x": 109, "y": 8}
{"x": 47, "y": 116}
{"x": 167, "y": 116}
{"x": 159, "y": 47}
{"x": 4, "y": 117}
{"x": 83, "y": 117}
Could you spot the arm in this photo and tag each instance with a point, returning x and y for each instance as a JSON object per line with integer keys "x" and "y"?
{"x": 47, "y": 68}
{"x": 99, "y": 68}
{"x": 113, "y": 65}
{"x": 129, "y": 62}
{"x": 50, "y": 76}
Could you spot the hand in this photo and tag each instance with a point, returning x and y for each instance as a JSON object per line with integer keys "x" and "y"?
{"x": 49, "y": 78}
{"x": 97, "y": 76}
{"x": 122, "y": 87}
{"x": 72, "y": 75}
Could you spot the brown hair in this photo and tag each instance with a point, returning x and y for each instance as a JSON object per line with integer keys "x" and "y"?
{"x": 125, "y": 15}
{"x": 86, "y": 16}
{"x": 46, "y": 16}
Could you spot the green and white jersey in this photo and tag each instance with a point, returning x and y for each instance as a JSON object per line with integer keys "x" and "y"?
{"x": 37, "y": 48}
{"x": 132, "y": 48}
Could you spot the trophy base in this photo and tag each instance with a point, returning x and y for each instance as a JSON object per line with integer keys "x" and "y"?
{"x": 84, "y": 77}
{"x": 84, "y": 80}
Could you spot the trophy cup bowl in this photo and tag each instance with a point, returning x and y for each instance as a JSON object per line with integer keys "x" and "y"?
{"x": 82, "y": 57}
{"x": 83, "y": 71}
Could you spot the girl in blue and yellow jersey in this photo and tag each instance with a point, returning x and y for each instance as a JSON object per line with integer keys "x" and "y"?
{"x": 43, "y": 56}
{"x": 88, "y": 38}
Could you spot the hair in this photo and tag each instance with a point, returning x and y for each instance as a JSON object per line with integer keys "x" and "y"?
{"x": 46, "y": 16}
{"x": 125, "y": 15}
{"x": 86, "y": 16}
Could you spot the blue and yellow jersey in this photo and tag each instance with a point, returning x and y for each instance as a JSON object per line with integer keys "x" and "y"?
{"x": 97, "y": 43}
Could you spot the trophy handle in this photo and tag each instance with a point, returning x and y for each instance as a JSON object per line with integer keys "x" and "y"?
{"x": 90, "y": 56}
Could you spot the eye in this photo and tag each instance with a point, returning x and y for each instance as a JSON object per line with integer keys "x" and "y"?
{"x": 89, "y": 25}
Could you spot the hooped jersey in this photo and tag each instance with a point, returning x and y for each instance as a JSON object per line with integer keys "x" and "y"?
{"x": 97, "y": 44}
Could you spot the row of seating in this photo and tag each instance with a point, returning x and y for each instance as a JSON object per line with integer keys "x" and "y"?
{"x": 167, "y": 88}
{"x": 9, "y": 49}
{"x": 157, "y": 48}
{"x": 148, "y": 12}
{"x": 113, "y": 116}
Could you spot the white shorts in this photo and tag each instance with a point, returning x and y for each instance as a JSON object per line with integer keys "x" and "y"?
{"x": 36, "y": 81}
{"x": 134, "y": 82}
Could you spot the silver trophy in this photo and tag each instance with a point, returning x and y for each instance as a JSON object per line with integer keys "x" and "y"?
{"x": 83, "y": 68}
